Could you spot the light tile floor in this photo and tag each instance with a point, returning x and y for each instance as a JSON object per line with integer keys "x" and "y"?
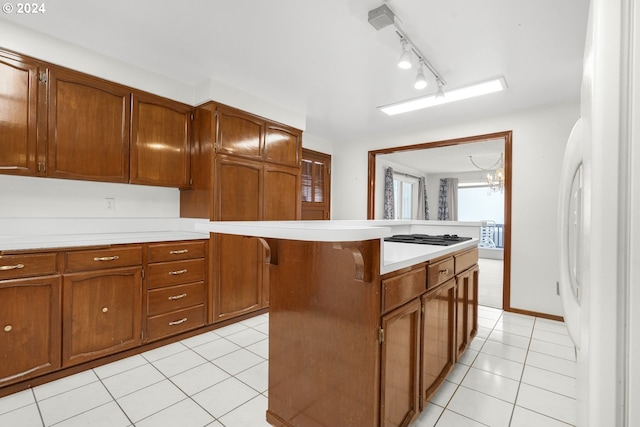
{"x": 519, "y": 371}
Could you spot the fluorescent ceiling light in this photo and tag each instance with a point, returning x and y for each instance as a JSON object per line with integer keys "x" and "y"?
{"x": 495, "y": 85}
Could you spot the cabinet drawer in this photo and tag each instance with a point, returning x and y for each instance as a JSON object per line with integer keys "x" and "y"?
{"x": 174, "y": 251}
{"x": 440, "y": 272}
{"x": 172, "y": 273}
{"x": 14, "y": 266}
{"x": 104, "y": 258}
{"x": 173, "y": 298}
{"x": 175, "y": 322}
{"x": 402, "y": 288}
{"x": 466, "y": 259}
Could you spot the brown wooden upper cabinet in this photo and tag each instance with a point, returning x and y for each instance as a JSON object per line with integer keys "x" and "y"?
{"x": 88, "y": 128}
{"x": 281, "y": 146}
{"x": 239, "y": 133}
{"x": 245, "y": 135}
{"x": 159, "y": 141}
{"x": 18, "y": 116}
{"x": 60, "y": 123}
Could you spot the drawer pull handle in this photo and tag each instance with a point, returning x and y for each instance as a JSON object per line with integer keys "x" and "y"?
{"x": 11, "y": 267}
{"x": 174, "y": 297}
{"x": 177, "y": 322}
{"x": 175, "y": 273}
{"x": 8, "y": 328}
{"x": 181, "y": 251}
{"x": 105, "y": 309}
{"x": 106, "y": 258}
{"x": 445, "y": 271}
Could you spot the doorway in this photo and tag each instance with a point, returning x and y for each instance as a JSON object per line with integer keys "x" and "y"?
{"x": 495, "y": 271}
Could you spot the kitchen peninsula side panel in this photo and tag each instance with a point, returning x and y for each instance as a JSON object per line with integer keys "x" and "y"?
{"x": 324, "y": 350}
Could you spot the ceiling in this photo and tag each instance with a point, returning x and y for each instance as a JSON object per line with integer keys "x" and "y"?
{"x": 324, "y": 58}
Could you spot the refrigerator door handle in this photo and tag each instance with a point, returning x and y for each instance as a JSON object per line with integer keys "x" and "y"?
{"x": 570, "y": 261}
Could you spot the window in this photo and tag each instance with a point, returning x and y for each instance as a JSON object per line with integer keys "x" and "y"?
{"x": 405, "y": 190}
{"x": 316, "y": 185}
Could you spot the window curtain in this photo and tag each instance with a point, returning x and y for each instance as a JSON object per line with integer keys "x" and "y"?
{"x": 452, "y": 198}
{"x": 423, "y": 205}
{"x": 448, "y": 199}
{"x": 388, "y": 194}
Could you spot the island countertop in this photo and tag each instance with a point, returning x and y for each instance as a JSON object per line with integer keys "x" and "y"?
{"x": 394, "y": 256}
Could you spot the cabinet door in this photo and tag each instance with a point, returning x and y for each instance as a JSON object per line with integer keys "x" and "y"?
{"x": 237, "y": 275}
{"x": 282, "y": 145}
{"x": 88, "y": 135}
{"x": 30, "y": 322}
{"x": 281, "y": 193}
{"x": 102, "y": 313}
{"x": 472, "y": 304}
{"x": 238, "y": 190}
{"x": 239, "y": 133}
{"x": 160, "y": 142}
{"x": 18, "y": 116}
{"x": 466, "y": 308}
{"x": 438, "y": 346}
{"x": 399, "y": 388}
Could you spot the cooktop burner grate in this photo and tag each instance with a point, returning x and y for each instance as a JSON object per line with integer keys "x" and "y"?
{"x": 426, "y": 239}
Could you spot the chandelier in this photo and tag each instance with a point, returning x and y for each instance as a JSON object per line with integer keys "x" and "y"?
{"x": 495, "y": 174}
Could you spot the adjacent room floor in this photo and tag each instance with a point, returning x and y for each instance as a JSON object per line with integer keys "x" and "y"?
{"x": 519, "y": 371}
{"x": 490, "y": 282}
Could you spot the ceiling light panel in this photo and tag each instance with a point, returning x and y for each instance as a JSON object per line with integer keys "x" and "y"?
{"x": 484, "y": 88}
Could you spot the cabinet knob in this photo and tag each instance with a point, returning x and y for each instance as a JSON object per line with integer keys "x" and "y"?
{"x": 105, "y": 309}
{"x": 8, "y": 328}
{"x": 445, "y": 271}
{"x": 174, "y": 297}
{"x": 11, "y": 267}
{"x": 181, "y": 251}
{"x": 175, "y": 273}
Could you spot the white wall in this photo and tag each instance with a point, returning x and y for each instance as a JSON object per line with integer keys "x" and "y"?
{"x": 31, "y": 197}
{"x": 539, "y": 139}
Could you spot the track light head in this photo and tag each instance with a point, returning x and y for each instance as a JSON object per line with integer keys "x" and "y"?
{"x": 440, "y": 92}
{"x": 405, "y": 57}
{"x": 421, "y": 81}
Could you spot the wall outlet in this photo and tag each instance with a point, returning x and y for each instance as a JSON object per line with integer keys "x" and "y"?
{"x": 110, "y": 204}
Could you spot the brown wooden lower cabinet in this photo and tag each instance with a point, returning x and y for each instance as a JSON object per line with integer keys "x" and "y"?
{"x": 400, "y": 365}
{"x": 30, "y": 322}
{"x": 438, "y": 355}
{"x": 238, "y": 275}
{"x": 102, "y": 313}
{"x": 466, "y": 308}
{"x": 77, "y": 306}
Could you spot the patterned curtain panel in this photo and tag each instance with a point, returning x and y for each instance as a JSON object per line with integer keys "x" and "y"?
{"x": 388, "y": 194}
{"x": 452, "y": 198}
{"x": 423, "y": 206}
{"x": 443, "y": 205}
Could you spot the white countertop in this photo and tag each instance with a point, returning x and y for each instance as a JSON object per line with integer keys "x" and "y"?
{"x": 394, "y": 256}
{"x": 51, "y": 233}
{"x": 332, "y": 230}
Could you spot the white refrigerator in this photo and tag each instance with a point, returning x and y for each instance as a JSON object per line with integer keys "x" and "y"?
{"x": 599, "y": 220}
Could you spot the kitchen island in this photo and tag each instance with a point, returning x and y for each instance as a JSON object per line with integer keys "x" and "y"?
{"x": 362, "y": 332}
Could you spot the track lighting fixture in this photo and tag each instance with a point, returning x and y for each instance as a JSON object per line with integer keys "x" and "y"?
{"x": 421, "y": 81}
{"x": 405, "y": 57}
{"x": 382, "y": 17}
